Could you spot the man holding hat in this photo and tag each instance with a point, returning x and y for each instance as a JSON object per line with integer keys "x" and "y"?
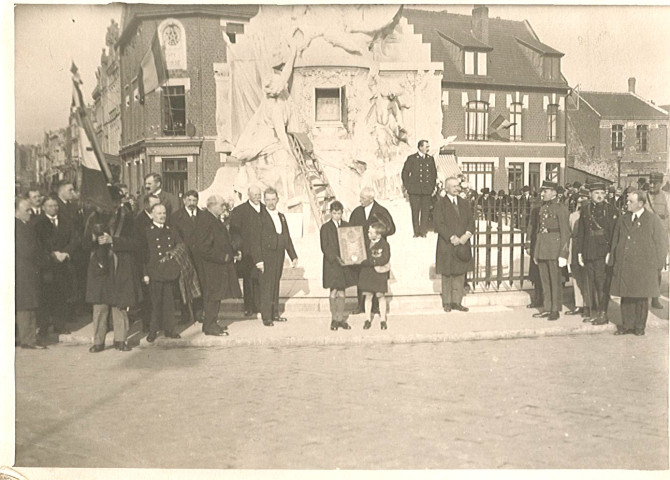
{"x": 592, "y": 244}
{"x": 551, "y": 249}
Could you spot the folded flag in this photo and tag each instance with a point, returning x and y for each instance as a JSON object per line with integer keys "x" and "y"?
{"x": 153, "y": 69}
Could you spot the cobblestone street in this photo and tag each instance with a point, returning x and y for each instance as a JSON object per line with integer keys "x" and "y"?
{"x": 590, "y": 401}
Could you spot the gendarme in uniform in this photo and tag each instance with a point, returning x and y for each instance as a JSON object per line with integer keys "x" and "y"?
{"x": 592, "y": 244}
{"x": 553, "y": 240}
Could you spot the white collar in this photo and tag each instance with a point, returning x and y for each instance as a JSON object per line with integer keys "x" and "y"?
{"x": 55, "y": 217}
{"x": 452, "y": 198}
{"x": 158, "y": 226}
{"x": 255, "y": 207}
{"x": 274, "y": 212}
{"x": 158, "y": 192}
{"x": 639, "y": 213}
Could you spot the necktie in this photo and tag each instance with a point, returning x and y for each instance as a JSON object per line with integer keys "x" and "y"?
{"x": 54, "y": 221}
{"x": 634, "y": 218}
{"x": 455, "y": 202}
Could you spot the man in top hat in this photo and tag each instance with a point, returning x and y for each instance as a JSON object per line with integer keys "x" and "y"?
{"x": 419, "y": 175}
{"x": 551, "y": 249}
{"x": 592, "y": 244}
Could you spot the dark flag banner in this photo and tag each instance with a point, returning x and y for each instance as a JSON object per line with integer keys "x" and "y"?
{"x": 95, "y": 173}
{"x": 153, "y": 69}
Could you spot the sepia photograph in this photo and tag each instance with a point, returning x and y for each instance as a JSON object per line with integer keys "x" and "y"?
{"x": 298, "y": 240}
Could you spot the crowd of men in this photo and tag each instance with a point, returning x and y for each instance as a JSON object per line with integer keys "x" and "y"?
{"x": 136, "y": 260}
{"x": 133, "y": 261}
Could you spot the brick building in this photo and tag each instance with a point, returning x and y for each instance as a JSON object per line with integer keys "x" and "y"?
{"x": 619, "y": 136}
{"x": 107, "y": 99}
{"x": 174, "y": 131}
{"x": 503, "y": 97}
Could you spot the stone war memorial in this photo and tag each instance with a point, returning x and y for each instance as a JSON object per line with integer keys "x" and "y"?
{"x": 335, "y": 95}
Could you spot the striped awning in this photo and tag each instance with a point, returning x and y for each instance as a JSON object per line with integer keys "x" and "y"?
{"x": 446, "y": 166}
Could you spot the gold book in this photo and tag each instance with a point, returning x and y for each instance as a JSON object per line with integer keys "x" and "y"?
{"x": 352, "y": 245}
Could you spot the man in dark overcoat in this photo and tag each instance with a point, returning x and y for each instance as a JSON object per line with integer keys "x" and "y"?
{"x": 367, "y": 213}
{"x": 275, "y": 244}
{"x": 56, "y": 237}
{"x": 185, "y": 221}
{"x": 336, "y": 276}
{"x": 419, "y": 176}
{"x": 592, "y": 244}
{"x": 455, "y": 225}
{"x": 245, "y": 223}
{"x": 28, "y": 259}
{"x": 533, "y": 271}
{"x": 551, "y": 249}
{"x": 639, "y": 249}
{"x": 141, "y": 223}
{"x": 112, "y": 281}
{"x": 214, "y": 257}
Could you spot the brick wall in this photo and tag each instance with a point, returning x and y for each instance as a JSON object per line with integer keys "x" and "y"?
{"x": 533, "y": 122}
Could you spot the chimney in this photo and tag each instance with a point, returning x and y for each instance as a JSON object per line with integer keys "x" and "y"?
{"x": 631, "y": 84}
{"x": 480, "y": 23}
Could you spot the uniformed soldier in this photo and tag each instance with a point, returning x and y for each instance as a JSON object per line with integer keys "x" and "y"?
{"x": 161, "y": 270}
{"x": 551, "y": 249}
{"x": 592, "y": 244}
{"x": 419, "y": 176}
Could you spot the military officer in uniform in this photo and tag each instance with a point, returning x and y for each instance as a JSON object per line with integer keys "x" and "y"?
{"x": 419, "y": 176}
{"x": 161, "y": 271}
{"x": 551, "y": 249}
{"x": 592, "y": 244}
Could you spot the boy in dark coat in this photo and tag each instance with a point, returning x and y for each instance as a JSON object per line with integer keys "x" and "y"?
{"x": 336, "y": 276}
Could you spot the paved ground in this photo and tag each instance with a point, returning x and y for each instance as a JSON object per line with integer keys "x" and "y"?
{"x": 588, "y": 401}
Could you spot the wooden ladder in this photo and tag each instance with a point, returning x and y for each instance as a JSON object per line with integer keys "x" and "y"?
{"x": 319, "y": 191}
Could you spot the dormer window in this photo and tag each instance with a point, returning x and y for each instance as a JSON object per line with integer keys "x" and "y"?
{"x": 552, "y": 68}
{"x": 475, "y": 63}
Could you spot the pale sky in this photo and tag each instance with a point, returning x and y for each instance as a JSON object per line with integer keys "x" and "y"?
{"x": 603, "y": 46}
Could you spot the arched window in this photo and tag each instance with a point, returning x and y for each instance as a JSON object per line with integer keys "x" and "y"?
{"x": 477, "y": 120}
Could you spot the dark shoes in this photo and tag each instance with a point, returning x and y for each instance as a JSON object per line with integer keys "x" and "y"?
{"x": 639, "y": 333}
{"x": 459, "y": 307}
{"x": 600, "y": 321}
{"x": 383, "y": 326}
{"x": 280, "y": 319}
{"x": 171, "y": 335}
{"x": 575, "y": 311}
{"x": 122, "y": 346}
{"x": 553, "y": 316}
{"x": 269, "y": 323}
{"x": 343, "y": 325}
{"x": 367, "y": 325}
{"x": 655, "y": 303}
{"x": 96, "y": 348}
{"x": 447, "y": 308}
{"x": 621, "y": 331}
{"x": 541, "y": 315}
{"x": 217, "y": 332}
{"x": 152, "y": 336}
